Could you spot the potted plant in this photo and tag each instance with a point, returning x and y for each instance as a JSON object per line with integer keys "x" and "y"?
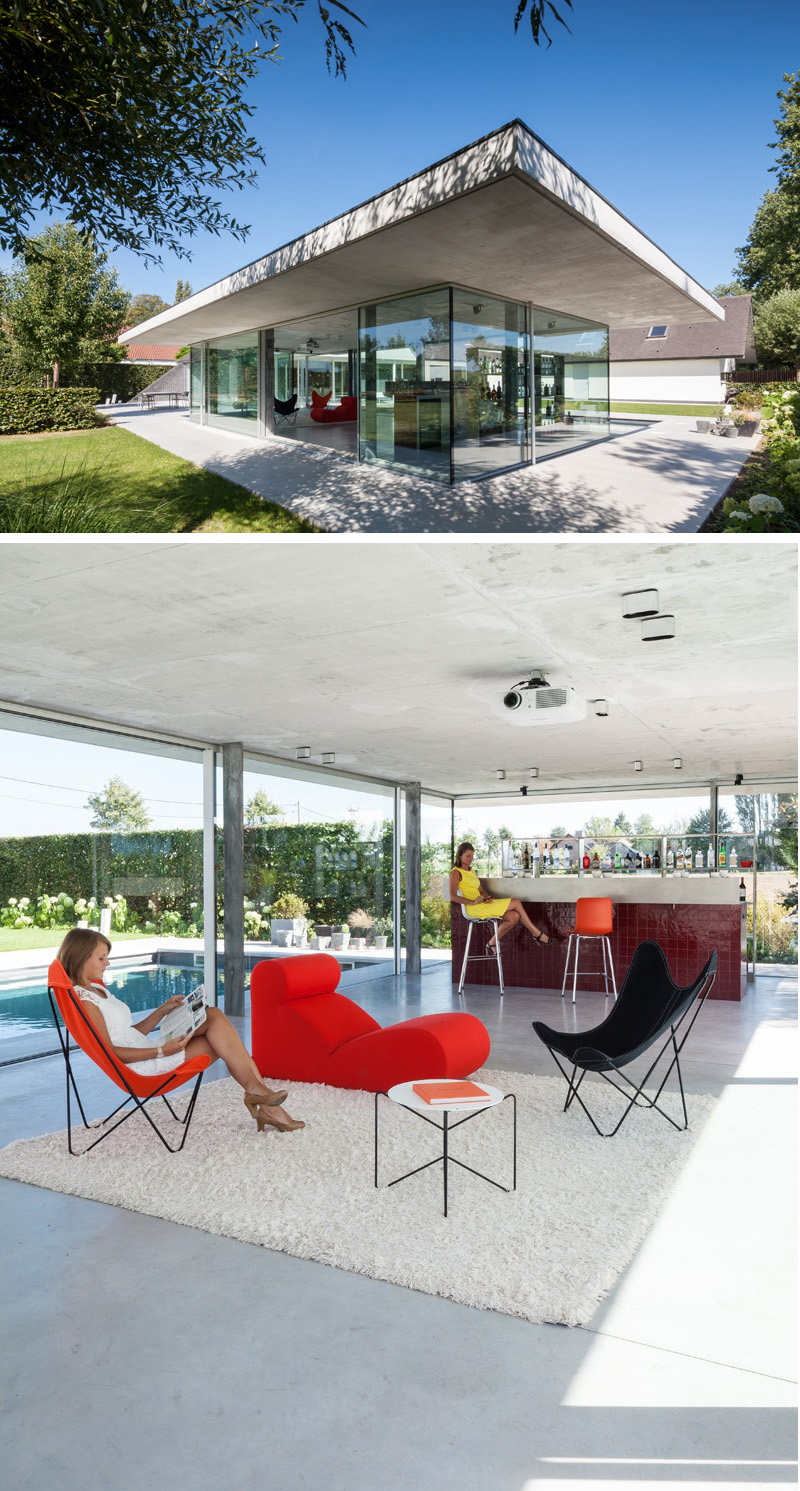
{"x": 747, "y": 423}
{"x": 703, "y": 426}
{"x": 360, "y": 924}
{"x": 287, "y": 923}
{"x": 381, "y": 931}
{"x": 341, "y": 939}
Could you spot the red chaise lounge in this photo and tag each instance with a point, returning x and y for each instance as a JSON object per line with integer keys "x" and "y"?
{"x": 304, "y": 1030}
{"x": 345, "y": 410}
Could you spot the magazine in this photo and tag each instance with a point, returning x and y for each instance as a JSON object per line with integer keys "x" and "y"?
{"x": 185, "y": 1018}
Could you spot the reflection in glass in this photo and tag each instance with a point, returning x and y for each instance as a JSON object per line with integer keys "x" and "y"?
{"x": 490, "y": 385}
{"x": 570, "y": 382}
{"x": 232, "y": 382}
{"x": 195, "y": 382}
{"x": 404, "y": 348}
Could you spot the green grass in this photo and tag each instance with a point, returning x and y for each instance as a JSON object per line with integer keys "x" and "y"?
{"x": 110, "y": 481}
{"x": 17, "y": 939}
{"x": 702, "y": 411}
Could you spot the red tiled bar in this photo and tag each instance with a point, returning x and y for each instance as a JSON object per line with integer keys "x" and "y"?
{"x": 687, "y": 932}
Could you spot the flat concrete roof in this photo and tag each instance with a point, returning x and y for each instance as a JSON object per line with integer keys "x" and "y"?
{"x": 505, "y": 214}
{"x": 392, "y": 655}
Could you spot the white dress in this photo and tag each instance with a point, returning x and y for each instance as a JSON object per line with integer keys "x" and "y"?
{"x": 123, "y": 1032}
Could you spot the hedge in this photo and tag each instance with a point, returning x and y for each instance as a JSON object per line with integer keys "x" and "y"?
{"x": 26, "y": 410}
{"x": 124, "y": 379}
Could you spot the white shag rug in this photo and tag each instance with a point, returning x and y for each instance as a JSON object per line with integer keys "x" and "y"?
{"x": 548, "y": 1252}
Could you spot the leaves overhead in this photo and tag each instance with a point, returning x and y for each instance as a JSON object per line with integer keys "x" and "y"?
{"x": 538, "y": 11}
{"x": 131, "y": 114}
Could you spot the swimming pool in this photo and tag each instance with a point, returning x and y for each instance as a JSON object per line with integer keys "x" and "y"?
{"x": 25, "y": 1007}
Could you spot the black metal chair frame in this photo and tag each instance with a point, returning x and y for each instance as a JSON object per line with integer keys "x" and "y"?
{"x": 289, "y": 415}
{"x": 587, "y": 1058}
{"x": 141, "y": 1103}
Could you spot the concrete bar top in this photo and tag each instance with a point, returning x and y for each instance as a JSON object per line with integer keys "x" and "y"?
{"x": 655, "y": 890}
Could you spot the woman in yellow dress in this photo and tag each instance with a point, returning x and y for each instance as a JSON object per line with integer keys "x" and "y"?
{"x": 466, "y": 888}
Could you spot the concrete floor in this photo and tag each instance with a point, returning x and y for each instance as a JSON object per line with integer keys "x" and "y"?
{"x": 662, "y": 478}
{"x": 135, "y": 1349}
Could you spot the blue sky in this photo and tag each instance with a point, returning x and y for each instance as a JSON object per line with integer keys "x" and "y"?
{"x": 665, "y": 109}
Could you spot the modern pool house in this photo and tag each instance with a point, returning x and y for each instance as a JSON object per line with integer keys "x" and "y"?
{"x": 454, "y": 326}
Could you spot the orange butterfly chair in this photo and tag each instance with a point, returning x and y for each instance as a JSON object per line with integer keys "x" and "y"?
{"x": 65, "y": 1002}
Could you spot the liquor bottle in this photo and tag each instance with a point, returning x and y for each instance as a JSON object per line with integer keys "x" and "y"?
{"x": 657, "y": 860}
{"x": 710, "y": 857}
{"x": 733, "y": 858}
{"x": 698, "y": 858}
{"x": 670, "y": 860}
{"x": 648, "y": 863}
{"x": 596, "y": 863}
{"x": 679, "y": 860}
{"x": 526, "y": 860}
{"x": 687, "y": 859}
{"x": 722, "y": 858}
{"x": 536, "y": 858}
{"x": 617, "y": 861}
{"x": 742, "y": 891}
{"x": 587, "y": 864}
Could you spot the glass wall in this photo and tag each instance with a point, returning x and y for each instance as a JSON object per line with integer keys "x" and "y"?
{"x": 232, "y": 383}
{"x": 491, "y": 425}
{"x": 437, "y": 862}
{"x": 570, "y": 382}
{"x": 761, "y": 830}
{"x": 404, "y": 350}
{"x": 195, "y": 382}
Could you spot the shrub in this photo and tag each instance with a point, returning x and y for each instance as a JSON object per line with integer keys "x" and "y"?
{"x": 435, "y": 918}
{"x": 289, "y": 907}
{"x": 755, "y": 395}
{"x": 124, "y": 379}
{"x": 27, "y": 410}
{"x": 360, "y": 922}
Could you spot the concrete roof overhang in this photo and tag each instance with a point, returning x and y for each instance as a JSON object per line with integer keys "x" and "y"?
{"x": 391, "y": 655}
{"x": 505, "y": 215}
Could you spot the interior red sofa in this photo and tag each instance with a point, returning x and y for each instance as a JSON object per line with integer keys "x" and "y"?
{"x": 345, "y": 410}
{"x": 304, "y": 1030}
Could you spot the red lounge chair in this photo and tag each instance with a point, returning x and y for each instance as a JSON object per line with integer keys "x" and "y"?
{"x": 303, "y": 1029}
{"x": 345, "y": 410}
{"x": 140, "y": 1090}
{"x": 319, "y": 400}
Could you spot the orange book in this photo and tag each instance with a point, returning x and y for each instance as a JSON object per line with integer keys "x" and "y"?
{"x": 439, "y": 1094}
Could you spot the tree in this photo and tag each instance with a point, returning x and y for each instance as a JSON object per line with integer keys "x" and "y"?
{"x": 622, "y": 824}
{"x": 644, "y": 826}
{"x": 777, "y": 328}
{"x": 261, "y": 811}
{"x": 62, "y": 308}
{"x": 770, "y": 259}
{"x": 598, "y": 828}
{"x": 538, "y": 9}
{"x": 142, "y": 307}
{"x": 134, "y": 114}
{"x": 182, "y": 291}
{"x": 559, "y": 832}
{"x": 117, "y": 806}
{"x": 701, "y": 822}
{"x": 732, "y": 288}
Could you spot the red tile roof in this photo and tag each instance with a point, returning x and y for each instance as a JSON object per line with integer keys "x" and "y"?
{"x": 151, "y": 352}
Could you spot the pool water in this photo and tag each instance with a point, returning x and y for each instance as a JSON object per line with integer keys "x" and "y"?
{"x": 25, "y": 1007}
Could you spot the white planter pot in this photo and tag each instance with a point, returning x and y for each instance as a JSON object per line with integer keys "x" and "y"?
{"x": 358, "y": 942}
{"x": 703, "y": 426}
{"x": 340, "y": 940}
{"x": 287, "y": 931}
{"x": 380, "y": 942}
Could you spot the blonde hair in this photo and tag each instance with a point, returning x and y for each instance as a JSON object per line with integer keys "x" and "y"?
{"x": 77, "y": 947}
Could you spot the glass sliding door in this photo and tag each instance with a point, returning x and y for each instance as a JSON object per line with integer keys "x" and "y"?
{"x": 491, "y": 425}
{"x": 232, "y": 383}
{"x": 570, "y": 382}
{"x": 195, "y": 382}
{"x": 404, "y": 350}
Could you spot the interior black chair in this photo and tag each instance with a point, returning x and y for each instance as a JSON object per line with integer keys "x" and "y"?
{"x": 286, "y": 409}
{"x": 650, "y": 1005}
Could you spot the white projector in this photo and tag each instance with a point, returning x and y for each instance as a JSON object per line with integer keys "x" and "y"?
{"x": 535, "y": 702}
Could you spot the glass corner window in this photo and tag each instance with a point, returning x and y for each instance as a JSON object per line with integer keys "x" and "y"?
{"x": 232, "y": 382}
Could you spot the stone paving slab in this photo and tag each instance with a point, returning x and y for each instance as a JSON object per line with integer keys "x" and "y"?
{"x": 661, "y": 478}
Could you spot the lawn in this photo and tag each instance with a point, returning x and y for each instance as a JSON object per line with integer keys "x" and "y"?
{"x": 701, "y": 411}
{"x": 109, "y": 481}
{"x": 18, "y": 939}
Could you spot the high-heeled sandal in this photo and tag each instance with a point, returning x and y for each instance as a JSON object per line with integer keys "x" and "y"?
{"x": 252, "y": 1100}
{"x": 540, "y": 937}
{"x": 265, "y": 1118}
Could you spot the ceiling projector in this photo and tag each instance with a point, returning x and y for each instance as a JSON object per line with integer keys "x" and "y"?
{"x": 535, "y": 702}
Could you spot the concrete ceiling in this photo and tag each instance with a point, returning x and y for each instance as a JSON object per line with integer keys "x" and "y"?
{"x": 390, "y": 654}
{"x": 504, "y": 216}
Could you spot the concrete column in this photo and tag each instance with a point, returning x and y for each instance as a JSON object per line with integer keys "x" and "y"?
{"x": 413, "y": 877}
{"x": 233, "y": 875}
{"x": 266, "y": 382}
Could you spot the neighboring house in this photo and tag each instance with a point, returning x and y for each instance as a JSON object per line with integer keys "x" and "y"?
{"x": 142, "y": 353}
{"x": 457, "y": 322}
{"x": 175, "y": 380}
{"x": 684, "y": 361}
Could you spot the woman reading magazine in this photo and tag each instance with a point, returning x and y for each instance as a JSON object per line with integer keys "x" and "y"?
{"x": 84, "y": 956}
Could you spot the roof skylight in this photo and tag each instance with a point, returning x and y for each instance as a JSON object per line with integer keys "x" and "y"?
{"x": 657, "y": 331}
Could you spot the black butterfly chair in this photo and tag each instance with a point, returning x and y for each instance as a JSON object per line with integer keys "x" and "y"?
{"x": 650, "y": 1005}
{"x": 286, "y": 409}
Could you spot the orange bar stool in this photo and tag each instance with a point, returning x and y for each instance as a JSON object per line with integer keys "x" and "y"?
{"x": 594, "y": 918}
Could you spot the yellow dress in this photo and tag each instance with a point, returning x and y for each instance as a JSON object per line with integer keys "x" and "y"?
{"x": 470, "y": 886}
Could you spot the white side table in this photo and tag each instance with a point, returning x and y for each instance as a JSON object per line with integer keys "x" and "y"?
{"x": 404, "y": 1095}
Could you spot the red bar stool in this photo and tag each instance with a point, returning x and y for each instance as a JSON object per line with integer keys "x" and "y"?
{"x": 594, "y": 918}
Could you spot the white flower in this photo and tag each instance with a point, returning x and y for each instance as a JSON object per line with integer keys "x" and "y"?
{"x": 763, "y": 503}
{"x": 737, "y": 513}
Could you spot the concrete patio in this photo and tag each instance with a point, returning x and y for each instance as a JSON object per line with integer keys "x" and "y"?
{"x": 662, "y": 478}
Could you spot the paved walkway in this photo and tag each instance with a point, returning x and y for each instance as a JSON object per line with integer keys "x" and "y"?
{"x": 663, "y": 478}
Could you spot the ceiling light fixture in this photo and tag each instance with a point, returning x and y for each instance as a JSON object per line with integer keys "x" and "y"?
{"x": 533, "y": 772}
{"x": 658, "y": 628}
{"x": 637, "y": 765}
{"x": 500, "y": 774}
{"x": 328, "y": 758}
{"x": 601, "y": 707}
{"x": 677, "y": 763}
{"x": 638, "y": 603}
{"x": 302, "y": 753}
